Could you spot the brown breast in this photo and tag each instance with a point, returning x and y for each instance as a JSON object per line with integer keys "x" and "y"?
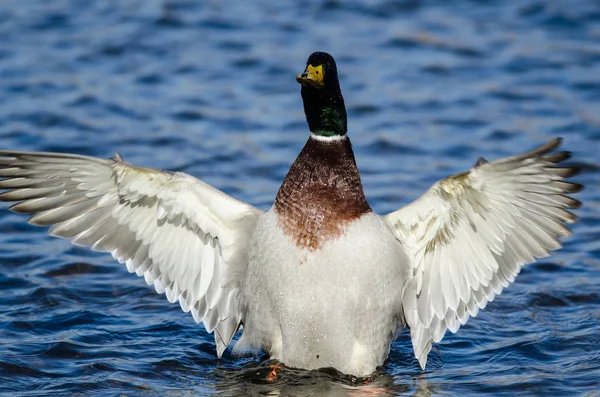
{"x": 321, "y": 194}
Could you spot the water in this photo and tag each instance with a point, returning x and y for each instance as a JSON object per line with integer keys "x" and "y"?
{"x": 208, "y": 88}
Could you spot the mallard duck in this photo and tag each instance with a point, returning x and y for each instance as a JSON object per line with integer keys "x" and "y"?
{"x": 320, "y": 279}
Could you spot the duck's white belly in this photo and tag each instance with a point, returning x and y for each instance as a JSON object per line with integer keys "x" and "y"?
{"x": 337, "y": 306}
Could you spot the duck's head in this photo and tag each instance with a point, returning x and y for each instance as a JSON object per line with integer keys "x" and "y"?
{"x": 323, "y": 102}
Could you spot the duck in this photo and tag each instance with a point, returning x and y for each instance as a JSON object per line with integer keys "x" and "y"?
{"x": 320, "y": 279}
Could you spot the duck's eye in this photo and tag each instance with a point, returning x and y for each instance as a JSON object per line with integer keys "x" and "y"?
{"x": 316, "y": 72}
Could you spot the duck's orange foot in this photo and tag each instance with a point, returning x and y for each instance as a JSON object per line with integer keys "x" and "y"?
{"x": 272, "y": 377}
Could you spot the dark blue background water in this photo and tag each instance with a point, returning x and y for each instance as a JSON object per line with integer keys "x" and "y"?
{"x": 208, "y": 87}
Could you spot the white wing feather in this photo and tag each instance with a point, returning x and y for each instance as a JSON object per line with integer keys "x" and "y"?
{"x": 183, "y": 236}
{"x": 469, "y": 235}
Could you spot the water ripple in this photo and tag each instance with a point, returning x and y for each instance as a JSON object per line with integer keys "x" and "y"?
{"x": 208, "y": 88}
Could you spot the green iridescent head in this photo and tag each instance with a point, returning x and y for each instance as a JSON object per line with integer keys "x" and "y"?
{"x": 323, "y": 102}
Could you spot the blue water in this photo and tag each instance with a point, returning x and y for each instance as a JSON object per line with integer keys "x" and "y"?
{"x": 207, "y": 87}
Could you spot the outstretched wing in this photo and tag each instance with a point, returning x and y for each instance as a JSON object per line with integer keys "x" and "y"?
{"x": 182, "y": 235}
{"x": 469, "y": 235}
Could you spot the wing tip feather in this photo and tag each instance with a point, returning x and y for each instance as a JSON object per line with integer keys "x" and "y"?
{"x": 554, "y": 143}
{"x": 572, "y": 203}
{"x": 17, "y": 208}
